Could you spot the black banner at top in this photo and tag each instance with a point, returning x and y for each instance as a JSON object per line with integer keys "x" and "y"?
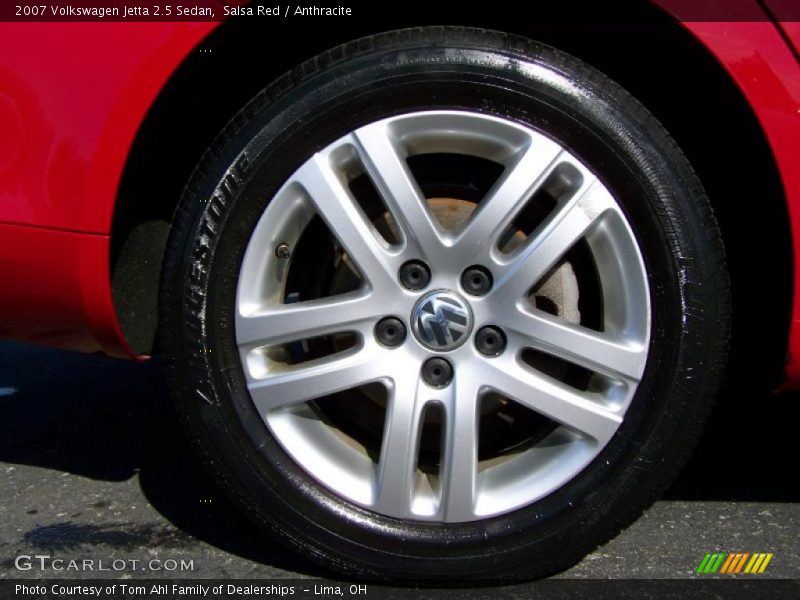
{"x": 219, "y": 10}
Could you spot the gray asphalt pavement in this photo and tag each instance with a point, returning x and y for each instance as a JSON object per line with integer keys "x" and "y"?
{"x": 93, "y": 467}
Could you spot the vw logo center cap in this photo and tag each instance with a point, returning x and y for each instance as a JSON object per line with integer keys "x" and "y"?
{"x": 441, "y": 320}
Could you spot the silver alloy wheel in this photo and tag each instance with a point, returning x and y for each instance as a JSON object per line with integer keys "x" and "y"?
{"x": 464, "y": 488}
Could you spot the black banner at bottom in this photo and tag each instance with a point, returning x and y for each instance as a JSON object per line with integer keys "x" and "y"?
{"x": 317, "y": 589}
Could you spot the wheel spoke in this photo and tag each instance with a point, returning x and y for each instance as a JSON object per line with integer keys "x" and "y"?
{"x": 506, "y": 198}
{"x": 304, "y": 320}
{"x": 593, "y": 350}
{"x": 314, "y": 379}
{"x": 347, "y": 221}
{"x": 460, "y": 448}
{"x": 560, "y": 232}
{"x": 386, "y": 166}
{"x": 551, "y": 399}
{"x": 400, "y": 448}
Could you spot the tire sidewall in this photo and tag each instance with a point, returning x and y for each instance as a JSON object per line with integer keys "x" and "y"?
{"x": 534, "y": 86}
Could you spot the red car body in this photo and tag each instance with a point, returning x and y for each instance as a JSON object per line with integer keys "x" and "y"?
{"x": 73, "y": 97}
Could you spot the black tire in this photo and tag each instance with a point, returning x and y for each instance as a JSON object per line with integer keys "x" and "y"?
{"x": 516, "y": 79}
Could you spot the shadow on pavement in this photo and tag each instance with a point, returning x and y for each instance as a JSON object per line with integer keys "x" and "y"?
{"x": 109, "y": 420}
{"x": 749, "y": 452}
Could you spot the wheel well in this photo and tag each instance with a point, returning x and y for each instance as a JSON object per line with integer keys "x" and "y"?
{"x": 684, "y": 86}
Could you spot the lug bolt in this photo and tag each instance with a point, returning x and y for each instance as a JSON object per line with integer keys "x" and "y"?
{"x": 437, "y": 372}
{"x": 390, "y": 332}
{"x": 490, "y": 341}
{"x": 415, "y": 275}
{"x": 476, "y": 281}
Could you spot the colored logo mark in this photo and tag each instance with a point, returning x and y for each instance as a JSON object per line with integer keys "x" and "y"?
{"x": 732, "y": 563}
